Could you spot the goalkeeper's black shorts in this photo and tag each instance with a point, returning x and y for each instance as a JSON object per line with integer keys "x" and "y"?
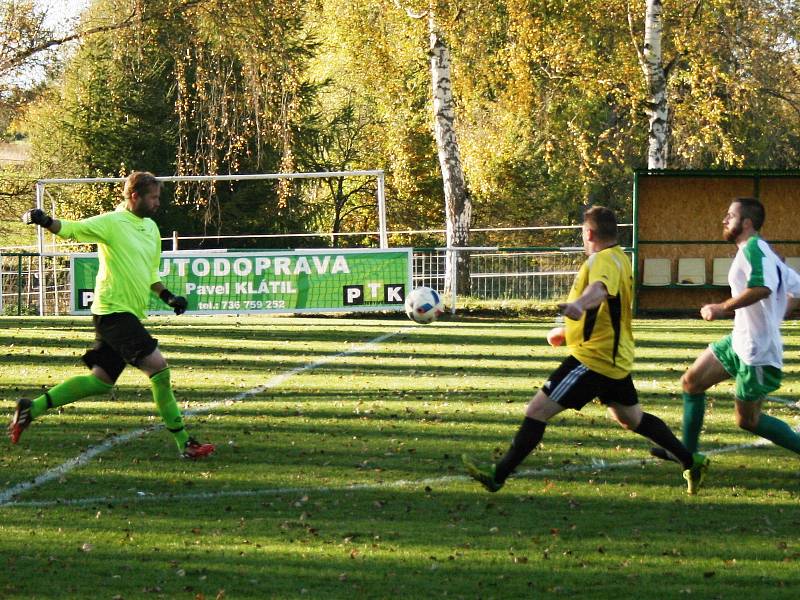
{"x": 120, "y": 340}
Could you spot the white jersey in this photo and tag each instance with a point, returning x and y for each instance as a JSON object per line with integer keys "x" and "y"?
{"x": 756, "y": 328}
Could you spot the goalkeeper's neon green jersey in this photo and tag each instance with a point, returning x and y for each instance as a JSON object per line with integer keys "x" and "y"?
{"x": 130, "y": 255}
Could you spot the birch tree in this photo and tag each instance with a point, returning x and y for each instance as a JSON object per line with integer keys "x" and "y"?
{"x": 652, "y": 63}
{"x": 457, "y": 201}
{"x": 727, "y": 94}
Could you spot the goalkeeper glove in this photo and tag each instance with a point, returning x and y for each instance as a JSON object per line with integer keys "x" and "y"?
{"x": 38, "y": 217}
{"x": 178, "y": 303}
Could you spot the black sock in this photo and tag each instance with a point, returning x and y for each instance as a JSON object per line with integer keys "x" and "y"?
{"x": 655, "y": 429}
{"x": 527, "y": 438}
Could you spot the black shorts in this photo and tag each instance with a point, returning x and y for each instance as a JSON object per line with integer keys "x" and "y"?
{"x": 574, "y": 385}
{"x": 120, "y": 339}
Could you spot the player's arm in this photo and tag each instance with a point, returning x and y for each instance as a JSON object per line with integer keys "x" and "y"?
{"x": 592, "y": 297}
{"x": 176, "y": 303}
{"x": 791, "y": 305}
{"x": 93, "y": 230}
{"x": 725, "y": 309}
{"x": 36, "y": 216}
{"x": 792, "y": 280}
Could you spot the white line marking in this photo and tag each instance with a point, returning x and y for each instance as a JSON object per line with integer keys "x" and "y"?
{"x": 89, "y": 454}
{"x": 790, "y": 403}
{"x": 595, "y": 465}
{"x": 85, "y": 457}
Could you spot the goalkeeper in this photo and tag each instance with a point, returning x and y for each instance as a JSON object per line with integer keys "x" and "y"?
{"x": 129, "y": 245}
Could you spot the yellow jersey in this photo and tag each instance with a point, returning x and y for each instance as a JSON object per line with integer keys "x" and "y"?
{"x": 602, "y": 339}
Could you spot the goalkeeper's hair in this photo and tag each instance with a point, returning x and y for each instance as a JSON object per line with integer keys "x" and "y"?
{"x": 602, "y": 221}
{"x": 139, "y": 182}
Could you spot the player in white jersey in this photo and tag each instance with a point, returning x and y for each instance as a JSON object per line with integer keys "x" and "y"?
{"x": 762, "y": 289}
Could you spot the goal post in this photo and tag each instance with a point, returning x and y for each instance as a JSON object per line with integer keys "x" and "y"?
{"x": 41, "y": 193}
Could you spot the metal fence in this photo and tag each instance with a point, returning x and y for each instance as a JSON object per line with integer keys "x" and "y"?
{"x": 540, "y": 275}
{"x": 543, "y": 274}
{"x": 531, "y": 274}
{"x": 22, "y": 289}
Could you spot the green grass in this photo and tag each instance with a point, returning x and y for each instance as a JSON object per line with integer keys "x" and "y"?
{"x": 343, "y": 480}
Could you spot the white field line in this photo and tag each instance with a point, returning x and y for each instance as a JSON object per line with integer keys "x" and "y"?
{"x": 791, "y": 403}
{"x": 595, "y": 465}
{"x": 90, "y": 453}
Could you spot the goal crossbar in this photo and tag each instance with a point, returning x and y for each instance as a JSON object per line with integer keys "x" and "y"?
{"x": 377, "y": 174}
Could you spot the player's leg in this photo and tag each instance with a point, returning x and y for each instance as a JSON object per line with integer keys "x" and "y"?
{"x": 155, "y": 366}
{"x": 695, "y": 465}
{"x": 753, "y": 384}
{"x": 771, "y": 428}
{"x": 706, "y": 371}
{"x": 570, "y": 386}
{"x": 74, "y": 388}
{"x": 106, "y": 366}
{"x": 538, "y": 412}
{"x": 623, "y": 404}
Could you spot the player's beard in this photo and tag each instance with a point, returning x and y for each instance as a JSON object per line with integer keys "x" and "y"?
{"x": 732, "y": 234}
{"x": 145, "y": 211}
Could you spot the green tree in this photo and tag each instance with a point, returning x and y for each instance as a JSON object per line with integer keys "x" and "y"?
{"x": 550, "y": 101}
{"x": 334, "y": 139}
{"x": 375, "y": 57}
{"x": 189, "y": 92}
{"x": 734, "y": 86}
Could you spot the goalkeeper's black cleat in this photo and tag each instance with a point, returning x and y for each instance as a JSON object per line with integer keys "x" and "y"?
{"x": 22, "y": 419}
{"x": 659, "y": 452}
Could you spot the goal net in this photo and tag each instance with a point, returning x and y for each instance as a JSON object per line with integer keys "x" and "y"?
{"x": 285, "y": 281}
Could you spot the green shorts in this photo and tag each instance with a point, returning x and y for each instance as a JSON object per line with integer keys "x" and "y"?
{"x": 753, "y": 383}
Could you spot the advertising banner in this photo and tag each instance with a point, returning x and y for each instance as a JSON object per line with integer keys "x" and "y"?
{"x": 258, "y": 282}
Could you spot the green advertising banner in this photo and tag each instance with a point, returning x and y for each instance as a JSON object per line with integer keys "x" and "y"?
{"x": 256, "y": 282}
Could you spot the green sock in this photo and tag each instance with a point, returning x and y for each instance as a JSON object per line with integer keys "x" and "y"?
{"x": 779, "y": 432}
{"x": 167, "y": 407}
{"x": 694, "y": 408}
{"x": 70, "y": 390}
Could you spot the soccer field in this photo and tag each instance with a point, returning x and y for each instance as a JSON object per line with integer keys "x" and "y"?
{"x": 338, "y": 472}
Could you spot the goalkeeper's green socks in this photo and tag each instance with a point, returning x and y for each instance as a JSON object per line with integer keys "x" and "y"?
{"x": 694, "y": 409}
{"x": 778, "y": 432}
{"x": 168, "y": 408}
{"x": 70, "y": 390}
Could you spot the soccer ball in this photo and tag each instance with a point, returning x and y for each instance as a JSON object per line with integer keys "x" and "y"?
{"x": 424, "y": 305}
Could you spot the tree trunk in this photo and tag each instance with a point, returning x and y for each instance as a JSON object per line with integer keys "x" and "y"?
{"x": 657, "y": 106}
{"x": 457, "y": 202}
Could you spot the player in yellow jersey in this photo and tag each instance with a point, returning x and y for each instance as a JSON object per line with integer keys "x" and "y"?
{"x": 129, "y": 246}
{"x": 600, "y": 340}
